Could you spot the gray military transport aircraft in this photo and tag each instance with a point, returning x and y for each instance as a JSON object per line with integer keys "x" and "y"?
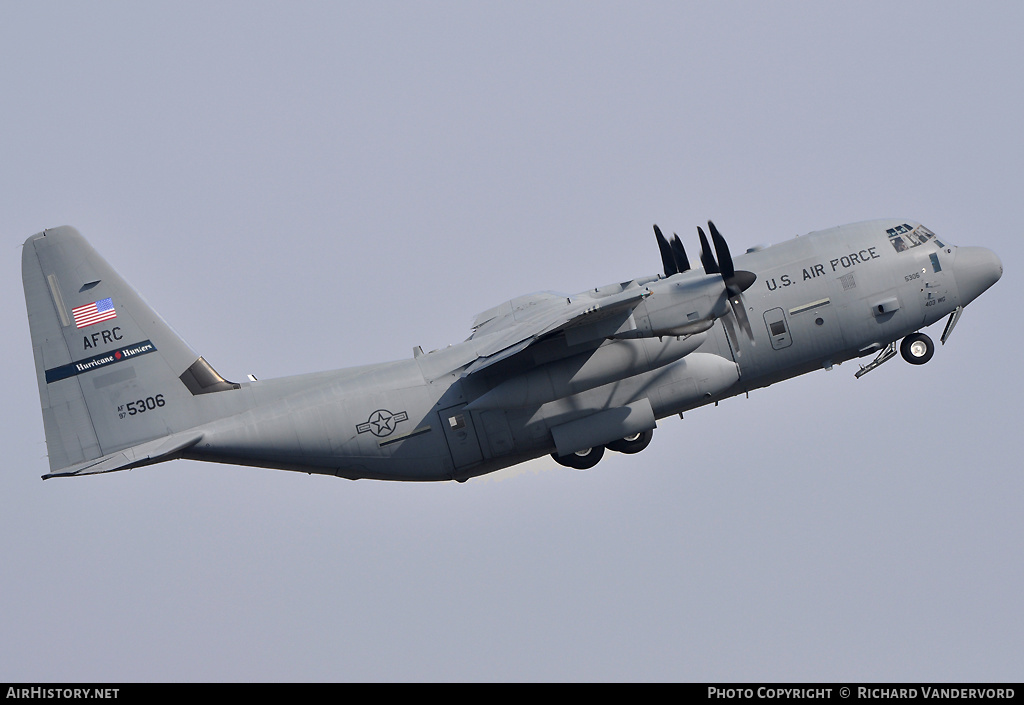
{"x": 542, "y": 373}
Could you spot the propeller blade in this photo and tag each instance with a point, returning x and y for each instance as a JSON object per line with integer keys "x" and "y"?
{"x": 667, "y": 260}
{"x": 735, "y": 283}
{"x": 740, "y": 312}
{"x": 722, "y": 250}
{"x": 706, "y": 258}
{"x": 679, "y": 254}
{"x": 730, "y": 333}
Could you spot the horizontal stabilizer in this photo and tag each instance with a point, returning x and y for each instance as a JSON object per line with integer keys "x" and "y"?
{"x": 148, "y": 453}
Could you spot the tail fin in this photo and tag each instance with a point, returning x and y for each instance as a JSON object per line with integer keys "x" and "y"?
{"x": 117, "y": 385}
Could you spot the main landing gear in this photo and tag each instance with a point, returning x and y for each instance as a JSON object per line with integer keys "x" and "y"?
{"x": 589, "y": 457}
{"x": 581, "y": 459}
{"x": 632, "y": 444}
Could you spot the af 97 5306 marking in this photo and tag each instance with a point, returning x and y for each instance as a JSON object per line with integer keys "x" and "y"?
{"x": 141, "y": 406}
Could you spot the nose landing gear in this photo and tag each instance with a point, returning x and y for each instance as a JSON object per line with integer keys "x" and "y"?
{"x": 917, "y": 349}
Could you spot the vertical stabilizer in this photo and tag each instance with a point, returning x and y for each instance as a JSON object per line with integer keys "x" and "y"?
{"x": 112, "y": 375}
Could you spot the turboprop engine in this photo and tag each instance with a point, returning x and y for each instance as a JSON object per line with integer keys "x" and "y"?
{"x": 687, "y": 302}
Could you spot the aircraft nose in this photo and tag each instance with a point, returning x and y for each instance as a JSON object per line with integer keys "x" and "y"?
{"x": 975, "y": 270}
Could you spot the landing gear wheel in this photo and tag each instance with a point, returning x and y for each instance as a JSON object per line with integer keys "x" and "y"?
{"x": 581, "y": 460}
{"x": 917, "y": 349}
{"x": 632, "y": 444}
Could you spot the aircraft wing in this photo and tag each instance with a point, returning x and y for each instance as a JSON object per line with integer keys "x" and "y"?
{"x": 512, "y": 327}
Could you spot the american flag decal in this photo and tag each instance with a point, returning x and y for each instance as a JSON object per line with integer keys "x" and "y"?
{"x": 102, "y": 310}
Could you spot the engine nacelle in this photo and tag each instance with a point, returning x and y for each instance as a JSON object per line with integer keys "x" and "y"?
{"x": 681, "y": 308}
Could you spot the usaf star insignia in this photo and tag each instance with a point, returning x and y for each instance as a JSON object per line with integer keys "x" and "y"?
{"x": 382, "y": 423}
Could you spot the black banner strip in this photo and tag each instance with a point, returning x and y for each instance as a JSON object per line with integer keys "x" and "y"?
{"x": 97, "y": 362}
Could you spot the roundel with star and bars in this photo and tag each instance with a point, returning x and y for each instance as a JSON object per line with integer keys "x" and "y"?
{"x": 382, "y": 423}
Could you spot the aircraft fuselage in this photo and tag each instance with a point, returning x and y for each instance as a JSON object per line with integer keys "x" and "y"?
{"x": 818, "y": 300}
{"x": 541, "y": 374}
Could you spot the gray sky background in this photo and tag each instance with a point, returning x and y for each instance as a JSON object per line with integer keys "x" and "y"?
{"x": 306, "y": 186}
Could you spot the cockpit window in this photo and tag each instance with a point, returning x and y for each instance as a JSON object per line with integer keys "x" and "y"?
{"x": 904, "y": 237}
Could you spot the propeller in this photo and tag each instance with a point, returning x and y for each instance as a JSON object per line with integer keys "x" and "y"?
{"x": 667, "y": 260}
{"x": 682, "y": 261}
{"x": 673, "y": 255}
{"x": 735, "y": 282}
{"x": 707, "y": 260}
{"x": 717, "y": 261}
